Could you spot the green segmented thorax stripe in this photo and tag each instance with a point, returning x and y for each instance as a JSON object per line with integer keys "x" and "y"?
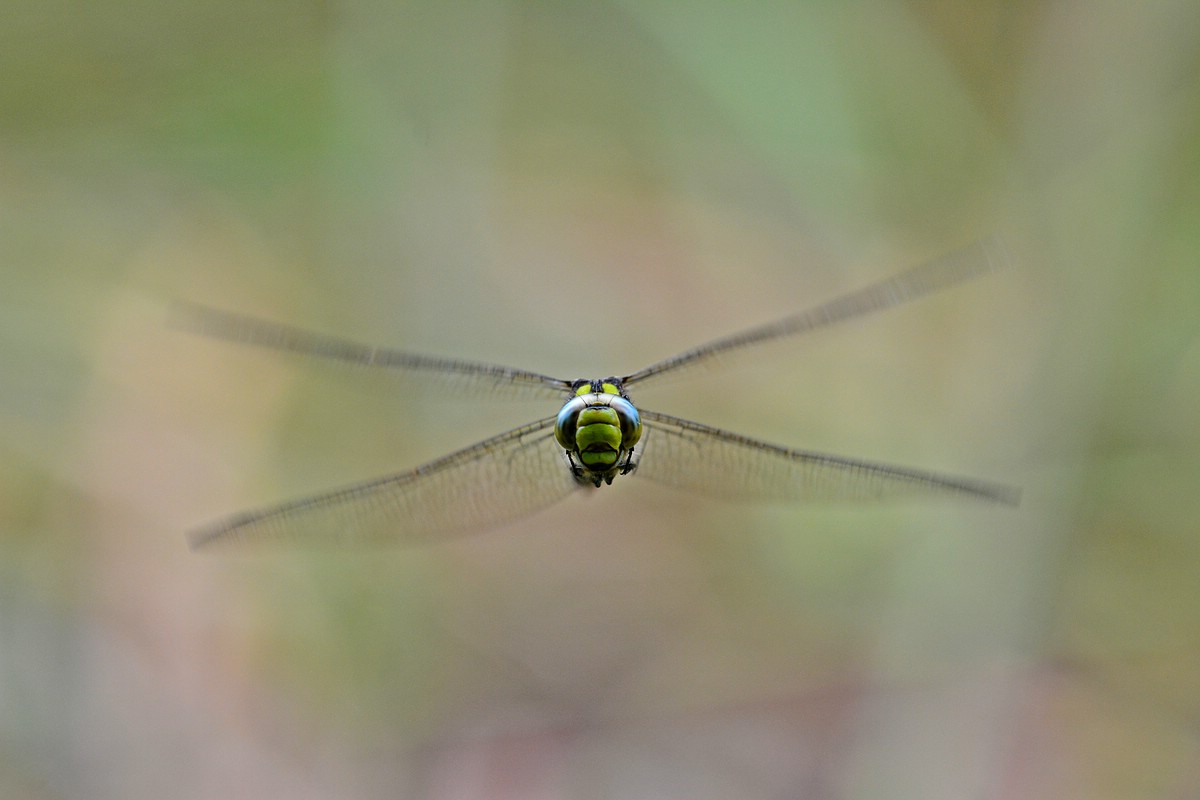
{"x": 599, "y": 415}
{"x": 598, "y": 436}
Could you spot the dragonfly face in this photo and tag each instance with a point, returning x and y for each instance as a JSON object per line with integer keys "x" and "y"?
{"x": 517, "y": 472}
{"x": 598, "y": 428}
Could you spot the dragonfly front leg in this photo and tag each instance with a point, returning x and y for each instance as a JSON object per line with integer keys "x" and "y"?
{"x": 630, "y": 462}
{"x": 585, "y": 476}
{"x": 582, "y": 475}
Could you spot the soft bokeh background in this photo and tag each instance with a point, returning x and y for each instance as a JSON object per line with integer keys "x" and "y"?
{"x": 582, "y": 188}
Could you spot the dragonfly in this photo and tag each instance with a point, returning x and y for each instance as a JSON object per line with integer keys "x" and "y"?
{"x": 596, "y": 436}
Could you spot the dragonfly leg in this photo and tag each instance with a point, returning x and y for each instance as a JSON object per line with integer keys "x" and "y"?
{"x": 582, "y": 475}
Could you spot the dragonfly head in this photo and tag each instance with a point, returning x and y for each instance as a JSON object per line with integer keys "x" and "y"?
{"x": 598, "y": 427}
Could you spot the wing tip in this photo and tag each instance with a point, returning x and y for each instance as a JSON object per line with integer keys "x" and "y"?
{"x": 224, "y": 531}
{"x": 1007, "y": 495}
{"x": 1000, "y": 493}
{"x": 204, "y": 538}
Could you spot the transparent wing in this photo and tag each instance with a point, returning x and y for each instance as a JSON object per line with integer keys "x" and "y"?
{"x": 497, "y": 480}
{"x": 717, "y": 463}
{"x": 247, "y": 330}
{"x": 985, "y": 255}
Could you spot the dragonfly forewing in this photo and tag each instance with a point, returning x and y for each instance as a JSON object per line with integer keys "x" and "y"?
{"x": 495, "y": 481}
{"x": 959, "y": 266}
{"x": 688, "y": 455}
{"x": 463, "y": 376}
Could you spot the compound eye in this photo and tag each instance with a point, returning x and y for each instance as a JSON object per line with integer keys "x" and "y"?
{"x": 631, "y": 421}
{"x": 567, "y": 422}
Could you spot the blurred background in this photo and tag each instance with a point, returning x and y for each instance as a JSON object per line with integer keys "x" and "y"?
{"x": 580, "y": 189}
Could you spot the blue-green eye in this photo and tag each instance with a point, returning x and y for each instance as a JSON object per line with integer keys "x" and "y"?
{"x": 631, "y": 421}
{"x": 567, "y": 421}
